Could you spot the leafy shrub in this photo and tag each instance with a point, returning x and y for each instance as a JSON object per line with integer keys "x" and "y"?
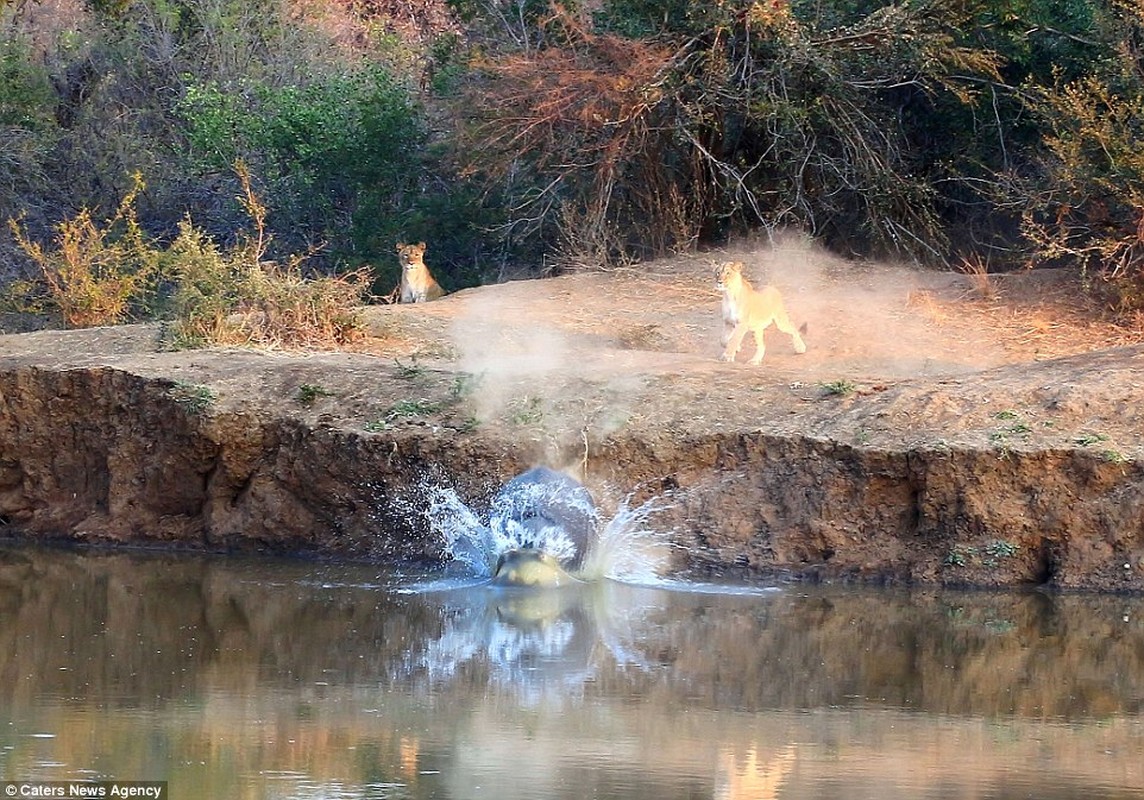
{"x": 1086, "y": 205}
{"x": 238, "y": 297}
{"x": 27, "y": 136}
{"x": 222, "y": 302}
{"x": 338, "y": 154}
{"x": 95, "y": 273}
{"x": 26, "y": 97}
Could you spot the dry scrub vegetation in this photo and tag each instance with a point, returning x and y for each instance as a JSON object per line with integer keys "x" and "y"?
{"x": 527, "y": 138}
{"x": 206, "y": 295}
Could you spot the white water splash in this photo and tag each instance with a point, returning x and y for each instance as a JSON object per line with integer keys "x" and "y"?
{"x": 626, "y": 547}
{"x": 523, "y": 501}
{"x": 468, "y": 542}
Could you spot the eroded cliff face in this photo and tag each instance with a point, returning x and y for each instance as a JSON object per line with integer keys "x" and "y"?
{"x": 103, "y": 455}
{"x": 939, "y": 514}
{"x": 138, "y": 455}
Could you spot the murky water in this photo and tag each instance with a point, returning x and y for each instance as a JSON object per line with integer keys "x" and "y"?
{"x": 270, "y": 679}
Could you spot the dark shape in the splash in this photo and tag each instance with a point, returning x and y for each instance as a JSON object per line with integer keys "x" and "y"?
{"x": 539, "y": 500}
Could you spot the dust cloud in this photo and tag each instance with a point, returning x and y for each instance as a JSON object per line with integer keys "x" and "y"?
{"x": 534, "y": 346}
{"x": 873, "y": 318}
{"x": 528, "y": 370}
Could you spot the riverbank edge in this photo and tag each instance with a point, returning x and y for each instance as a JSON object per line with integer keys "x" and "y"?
{"x": 116, "y": 454}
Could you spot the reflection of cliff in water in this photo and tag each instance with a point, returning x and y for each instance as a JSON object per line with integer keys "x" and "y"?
{"x": 149, "y": 629}
{"x": 331, "y": 672}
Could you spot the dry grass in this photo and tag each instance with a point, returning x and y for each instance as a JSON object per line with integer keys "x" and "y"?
{"x": 1034, "y": 315}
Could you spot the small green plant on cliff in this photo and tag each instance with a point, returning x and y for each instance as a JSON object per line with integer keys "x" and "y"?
{"x": 1000, "y": 548}
{"x": 839, "y": 388}
{"x": 990, "y": 554}
{"x": 464, "y": 385}
{"x": 960, "y": 555}
{"x": 1002, "y": 443}
{"x": 1021, "y": 429}
{"x": 409, "y": 371}
{"x": 412, "y": 408}
{"x": 1002, "y": 437}
{"x": 1088, "y": 439}
{"x": 1114, "y": 456}
{"x": 529, "y": 411}
{"x": 194, "y": 398}
{"x": 403, "y": 408}
{"x": 997, "y": 550}
{"x": 308, "y": 393}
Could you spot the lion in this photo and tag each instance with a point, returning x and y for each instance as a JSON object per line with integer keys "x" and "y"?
{"x": 417, "y": 284}
{"x": 747, "y": 309}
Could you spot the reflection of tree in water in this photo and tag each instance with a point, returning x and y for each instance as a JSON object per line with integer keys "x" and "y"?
{"x": 331, "y": 675}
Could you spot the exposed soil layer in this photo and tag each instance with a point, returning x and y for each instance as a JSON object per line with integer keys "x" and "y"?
{"x": 941, "y": 428}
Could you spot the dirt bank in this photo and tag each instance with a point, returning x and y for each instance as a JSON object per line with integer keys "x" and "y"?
{"x": 939, "y": 428}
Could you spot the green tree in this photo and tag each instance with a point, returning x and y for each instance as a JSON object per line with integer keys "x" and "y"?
{"x": 337, "y": 154}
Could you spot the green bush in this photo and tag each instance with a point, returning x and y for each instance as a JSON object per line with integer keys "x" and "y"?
{"x": 337, "y": 155}
{"x": 26, "y": 97}
{"x": 27, "y": 136}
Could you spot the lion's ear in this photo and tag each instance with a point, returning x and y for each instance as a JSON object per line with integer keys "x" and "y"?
{"x": 421, "y": 245}
{"x": 400, "y": 245}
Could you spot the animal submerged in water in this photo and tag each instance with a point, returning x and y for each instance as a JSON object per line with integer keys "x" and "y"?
{"x": 552, "y": 520}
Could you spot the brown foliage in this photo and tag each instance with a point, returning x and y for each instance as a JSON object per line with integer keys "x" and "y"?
{"x": 95, "y": 272}
{"x": 238, "y": 297}
{"x": 1088, "y": 208}
{"x": 589, "y": 115}
{"x": 634, "y": 146}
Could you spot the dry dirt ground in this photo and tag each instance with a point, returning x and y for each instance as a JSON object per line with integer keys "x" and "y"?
{"x": 894, "y": 354}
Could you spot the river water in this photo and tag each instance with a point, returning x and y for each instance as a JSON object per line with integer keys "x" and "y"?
{"x": 239, "y": 678}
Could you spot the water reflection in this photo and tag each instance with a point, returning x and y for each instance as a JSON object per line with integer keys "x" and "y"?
{"x": 285, "y": 679}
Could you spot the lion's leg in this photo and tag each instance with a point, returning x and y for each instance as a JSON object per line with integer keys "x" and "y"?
{"x": 760, "y": 347}
{"x": 735, "y": 341}
{"x": 783, "y": 323}
{"x": 728, "y": 329}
